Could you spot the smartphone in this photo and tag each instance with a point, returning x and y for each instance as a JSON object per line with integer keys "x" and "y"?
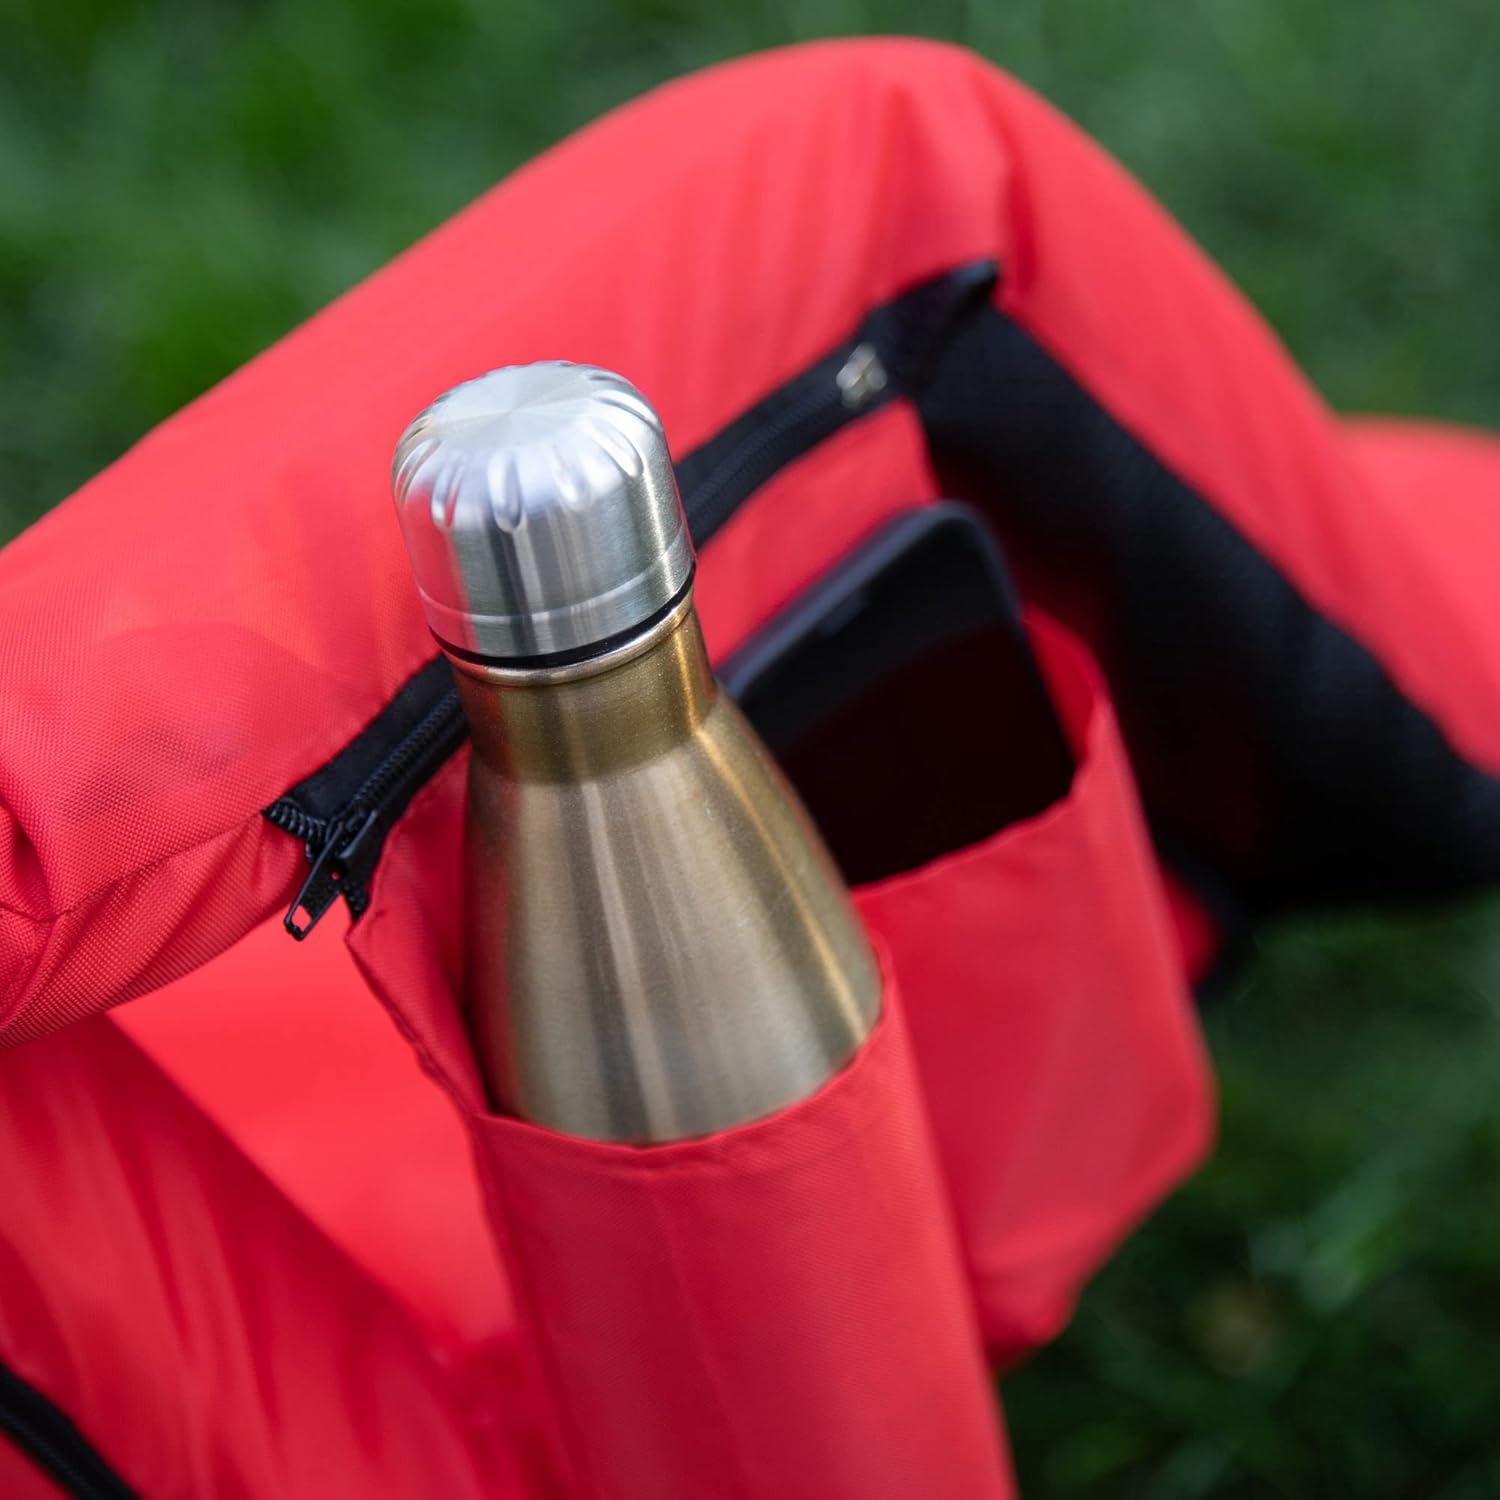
{"x": 901, "y": 696}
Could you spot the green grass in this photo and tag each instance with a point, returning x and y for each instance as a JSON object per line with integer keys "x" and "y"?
{"x": 1318, "y": 1312}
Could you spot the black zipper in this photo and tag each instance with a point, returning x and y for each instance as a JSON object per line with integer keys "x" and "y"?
{"x": 343, "y": 812}
{"x": 54, "y": 1444}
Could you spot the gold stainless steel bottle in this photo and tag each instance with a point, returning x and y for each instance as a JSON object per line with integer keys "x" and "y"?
{"x": 658, "y": 944}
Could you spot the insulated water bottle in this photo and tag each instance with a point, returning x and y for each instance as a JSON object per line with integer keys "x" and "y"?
{"x": 657, "y": 943}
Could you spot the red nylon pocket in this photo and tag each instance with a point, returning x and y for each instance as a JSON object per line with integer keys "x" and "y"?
{"x": 1051, "y": 1025}
{"x": 777, "y": 1309}
{"x": 1052, "y": 1045}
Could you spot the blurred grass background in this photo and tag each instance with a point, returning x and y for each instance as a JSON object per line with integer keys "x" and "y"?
{"x": 1318, "y": 1312}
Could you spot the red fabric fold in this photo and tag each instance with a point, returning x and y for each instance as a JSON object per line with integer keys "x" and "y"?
{"x": 1051, "y": 1023}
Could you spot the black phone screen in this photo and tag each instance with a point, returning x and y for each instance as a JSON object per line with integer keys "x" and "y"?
{"x": 901, "y": 697}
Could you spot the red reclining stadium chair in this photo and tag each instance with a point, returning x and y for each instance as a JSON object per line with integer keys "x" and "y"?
{"x": 258, "y": 1240}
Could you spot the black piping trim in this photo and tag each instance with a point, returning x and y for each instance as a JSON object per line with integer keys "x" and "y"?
{"x": 1271, "y": 747}
{"x": 47, "y": 1436}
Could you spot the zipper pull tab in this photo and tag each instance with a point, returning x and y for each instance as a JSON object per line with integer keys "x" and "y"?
{"x": 862, "y": 377}
{"x": 325, "y": 880}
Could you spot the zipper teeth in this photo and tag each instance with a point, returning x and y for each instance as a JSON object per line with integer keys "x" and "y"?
{"x": 700, "y": 507}
{"x": 290, "y": 818}
{"x": 428, "y": 729}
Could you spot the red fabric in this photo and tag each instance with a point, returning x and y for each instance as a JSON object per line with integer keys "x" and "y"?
{"x": 215, "y": 1314}
{"x": 778, "y": 1310}
{"x": 1046, "y": 995}
{"x": 839, "y": 493}
{"x": 1197, "y": 934}
{"x": 20, "y": 1479}
{"x": 1434, "y": 492}
{"x": 280, "y": 1048}
{"x": 203, "y": 1335}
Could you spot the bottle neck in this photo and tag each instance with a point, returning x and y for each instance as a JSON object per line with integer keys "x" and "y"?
{"x": 593, "y": 718}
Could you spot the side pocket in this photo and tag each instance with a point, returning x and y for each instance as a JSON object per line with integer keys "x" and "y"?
{"x": 782, "y": 1309}
{"x": 779, "y": 1309}
{"x": 1051, "y": 1025}
{"x": 775, "y": 1310}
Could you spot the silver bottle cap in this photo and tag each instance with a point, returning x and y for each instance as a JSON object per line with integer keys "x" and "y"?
{"x": 540, "y": 512}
